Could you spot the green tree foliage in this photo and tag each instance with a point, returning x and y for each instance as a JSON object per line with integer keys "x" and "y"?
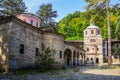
{"x": 116, "y": 10}
{"x": 12, "y": 7}
{"x": 117, "y": 30}
{"x": 117, "y": 52}
{"x": 73, "y": 25}
{"x": 47, "y": 14}
{"x": 46, "y": 60}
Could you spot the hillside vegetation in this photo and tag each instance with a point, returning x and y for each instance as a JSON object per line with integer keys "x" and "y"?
{"x": 73, "y": 25}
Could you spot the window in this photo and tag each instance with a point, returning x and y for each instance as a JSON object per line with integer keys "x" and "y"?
{"x": 92, "y": 31}
{"x": 36, "y": 51}
{"x": 87, "y": 59}
{"x": 87, "y": 49}
{"x": 92, "y": 40}
{"x": 60, "y": 54}
{"x": 24, "y": 20}
{"x": 21, "y": 48}
{"x": 31, "y": 22}
{"x": 97, "y": 49}
{"x": 85, "y": 32}
{"x": 91, "y": 59}
{"x": 98, "y": 32}
{"x": 93, "y": 49}
{"x": 37, "y": 24}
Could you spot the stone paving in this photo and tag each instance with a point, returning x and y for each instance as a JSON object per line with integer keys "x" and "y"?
{"x": 79, "y": 73}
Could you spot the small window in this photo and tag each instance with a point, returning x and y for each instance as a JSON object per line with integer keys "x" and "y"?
{"x": 21, "y": 48}
{"x": 93, "y": 49}
{"x": 36, "y": 51}
{"x": 97, "y": 49}
{"x": 87, "y": 49}
{"x": 37, "y": 24}
{"x": 94, "y": 40}
{"x": 92, "y": 31}
{"x": 91, "y": 59}
{"x": 85, "y": 32}
{"x": 60, "y": 54}
{"x": 98, "y": 32}
{"x": 31, "y": 22}
{"x": 24, "y": 20}
{"x": 90, "y": 40}
{"x": 87, "y": 59}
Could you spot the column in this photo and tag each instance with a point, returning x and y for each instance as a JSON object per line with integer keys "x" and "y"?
{"x": 72, "y": 58}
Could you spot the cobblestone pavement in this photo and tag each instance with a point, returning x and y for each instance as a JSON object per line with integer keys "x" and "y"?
{"x": 79, "y": 73}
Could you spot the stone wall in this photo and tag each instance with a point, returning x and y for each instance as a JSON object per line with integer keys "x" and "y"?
{"x": 54, "y": 42}
{"x": 4, "y": 45}
{"x": 31, "y": 40}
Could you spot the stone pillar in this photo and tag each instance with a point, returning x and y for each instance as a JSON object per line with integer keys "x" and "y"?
{"x": 72, "y": 58}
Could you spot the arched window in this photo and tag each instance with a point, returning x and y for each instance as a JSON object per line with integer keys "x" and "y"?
{"x": 97, "y": 60}
{"x": 92, "y": 40}
{"x": 92, "y": 31}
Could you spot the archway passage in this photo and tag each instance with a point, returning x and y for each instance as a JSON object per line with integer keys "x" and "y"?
{"x": 67, "y": 57}
{"x": 97, "y": 60}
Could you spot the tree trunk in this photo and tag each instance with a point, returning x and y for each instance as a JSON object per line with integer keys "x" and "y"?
{"x": 109, "y": 35}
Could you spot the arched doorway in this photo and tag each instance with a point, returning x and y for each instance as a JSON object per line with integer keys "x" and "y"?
{"x": 97, "y": 60}
{"x": 67, "y": 57}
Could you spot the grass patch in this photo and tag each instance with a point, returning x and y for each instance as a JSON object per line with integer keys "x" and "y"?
{"x": 35, "y": 71}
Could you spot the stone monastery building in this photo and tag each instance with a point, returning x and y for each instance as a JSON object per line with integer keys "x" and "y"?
{"x": 20, "y": 42}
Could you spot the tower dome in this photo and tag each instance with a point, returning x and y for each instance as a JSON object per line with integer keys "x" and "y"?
{"x": 92, "y": 26}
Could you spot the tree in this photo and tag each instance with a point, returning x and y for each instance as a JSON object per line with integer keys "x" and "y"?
{"x": 117, "y": 30}
{"x": 117, "y": 22}
{"x": 12, "y": 7}
{"x": 117, "y": 52}
{"x": 109, "y": 35}
{"x": 47, "y": 14}
{"x": 102, "y": 4}
{"x": 45, "y": 58}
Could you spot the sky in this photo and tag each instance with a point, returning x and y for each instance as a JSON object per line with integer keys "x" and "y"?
{"x": 63, "y": 7}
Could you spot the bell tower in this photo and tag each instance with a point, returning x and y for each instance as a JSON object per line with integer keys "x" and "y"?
{"x": 93, "y": 44}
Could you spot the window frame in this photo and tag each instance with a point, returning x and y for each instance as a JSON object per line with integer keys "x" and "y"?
{"x": 22, "y": 47}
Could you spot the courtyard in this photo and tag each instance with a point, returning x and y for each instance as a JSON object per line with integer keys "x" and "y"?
{"x": 74, "y": 73}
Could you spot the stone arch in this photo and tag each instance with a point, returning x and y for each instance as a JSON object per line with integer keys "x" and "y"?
{"x": 67, "y": 56}
{"x": 97, "y": 60}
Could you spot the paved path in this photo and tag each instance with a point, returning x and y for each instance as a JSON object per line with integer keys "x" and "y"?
{"x": 79, "y": 73}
